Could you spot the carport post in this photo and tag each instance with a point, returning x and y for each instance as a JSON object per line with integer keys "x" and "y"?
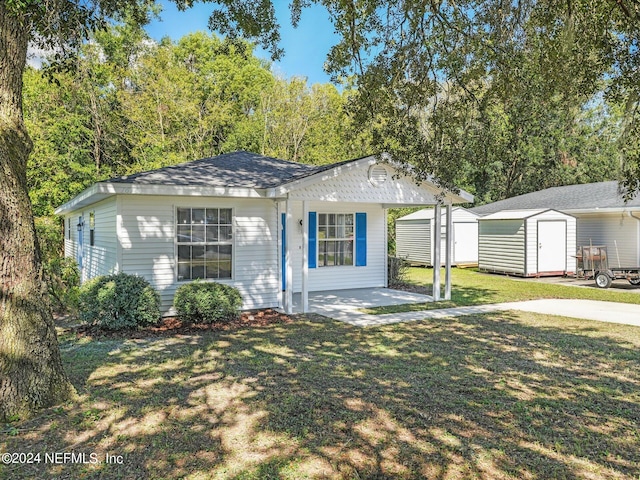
{"x": 437, "y": 239}
{"x": 386, "y": 250}
{"x": 448, "y": 252}
{"x": 305, "y": 257}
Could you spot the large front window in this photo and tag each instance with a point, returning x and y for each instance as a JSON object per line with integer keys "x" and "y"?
{"x": 204, "y": 238}
{"x": 335, "y": 239}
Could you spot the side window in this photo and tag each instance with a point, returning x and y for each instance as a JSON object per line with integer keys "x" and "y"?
{"x": 69, "y": 228}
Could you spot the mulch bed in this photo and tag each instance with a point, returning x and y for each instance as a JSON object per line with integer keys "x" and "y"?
{"x": 170, "y": 326}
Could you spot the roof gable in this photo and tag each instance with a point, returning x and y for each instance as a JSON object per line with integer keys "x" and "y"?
{"x": 360, "y": 181}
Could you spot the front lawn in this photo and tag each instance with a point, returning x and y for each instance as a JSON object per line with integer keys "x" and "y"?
{"x": 504, "y": 395}
{"x": 470, "y": 287}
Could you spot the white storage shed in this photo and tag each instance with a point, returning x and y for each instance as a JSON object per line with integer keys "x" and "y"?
{"x": 527, "y": 243}
{"x": 603, "y": 216}
{"x": 414, "y": 237}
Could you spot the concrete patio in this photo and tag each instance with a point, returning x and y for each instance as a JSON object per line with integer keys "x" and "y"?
{"x": 345, "y": 305}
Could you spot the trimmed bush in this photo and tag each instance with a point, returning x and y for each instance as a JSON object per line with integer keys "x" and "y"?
{"x": 119, "y": 301}
{"x": 207, "y": 302}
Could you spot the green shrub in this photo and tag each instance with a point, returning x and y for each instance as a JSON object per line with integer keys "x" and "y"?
{"x": 207, "y": 302}
{"x": 119, "y": 301}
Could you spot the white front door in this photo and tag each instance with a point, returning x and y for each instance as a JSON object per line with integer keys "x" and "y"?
{"x": 465, "y": 237}
{"x": 552, "y": 246}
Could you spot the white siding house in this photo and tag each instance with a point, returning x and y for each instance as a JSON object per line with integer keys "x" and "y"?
{"x": 603, "y": 216}
{"x": 527, "y": 243}
{"x": 90, "y": 238}
{"x": 266, "y": 226}
{"x": 619, "y": 231}
{"x": 414, "y": 237}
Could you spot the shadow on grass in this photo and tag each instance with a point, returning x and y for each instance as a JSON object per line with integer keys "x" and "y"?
{"x": 495, "y": 396}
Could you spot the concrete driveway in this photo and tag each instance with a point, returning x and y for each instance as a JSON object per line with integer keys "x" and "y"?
{"x": 611, "y": 312}
{"x": 345, "y": 306}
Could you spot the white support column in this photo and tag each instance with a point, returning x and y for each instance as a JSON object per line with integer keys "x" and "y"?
{"x": 386, "y": 247}
{"x": 449, "y": 252}
{"x": 437, "y": 240}
{"x": 305, "y": 257}
{"x": 288, "y": 304}
{"x": 281, "y": 263}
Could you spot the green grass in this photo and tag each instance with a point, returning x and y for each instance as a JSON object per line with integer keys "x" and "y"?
{"x": 504, "y": 395}
{"x": 470, "y": 287}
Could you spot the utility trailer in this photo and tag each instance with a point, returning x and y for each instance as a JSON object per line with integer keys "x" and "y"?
{"x": 593, "y": 262}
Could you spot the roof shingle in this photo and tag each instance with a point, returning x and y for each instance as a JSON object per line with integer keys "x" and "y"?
{"x": 237, "y": 169}
{"x": 586, "y": 196}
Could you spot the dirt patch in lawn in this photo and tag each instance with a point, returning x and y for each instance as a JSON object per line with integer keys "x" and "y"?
{"x": 413, "y": 288}
{"x": 173, "y": 326}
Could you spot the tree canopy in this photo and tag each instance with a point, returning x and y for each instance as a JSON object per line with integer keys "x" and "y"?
{"x": 434, "y": 78}
{"x": 122, "y": 110}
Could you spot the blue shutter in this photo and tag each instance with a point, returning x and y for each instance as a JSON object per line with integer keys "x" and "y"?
{"x": 313, "y": 241}
{"x": 361, "y": 239}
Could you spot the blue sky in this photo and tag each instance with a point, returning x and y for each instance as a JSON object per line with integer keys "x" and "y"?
{"x": 305, "y": 47}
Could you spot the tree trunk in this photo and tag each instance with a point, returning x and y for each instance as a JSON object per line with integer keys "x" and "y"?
{"x": 31, "y": 373}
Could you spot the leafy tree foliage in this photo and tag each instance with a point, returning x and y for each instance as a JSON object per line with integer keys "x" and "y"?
{"x": 132, "y": 104}
{"x": 56, "y": 117}
{"x": 474, "y": 90}
{"x": 300, "y": 123}
{"x": 185, "y": 99}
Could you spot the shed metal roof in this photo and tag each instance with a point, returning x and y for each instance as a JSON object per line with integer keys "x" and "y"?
{"x": 517, "y": 214}
{"x": 428, "y": 214}
{"x": 583, "y": 197}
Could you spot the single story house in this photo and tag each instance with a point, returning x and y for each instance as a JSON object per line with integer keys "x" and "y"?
{"x": 528, "y": 243}
{"x": 266, "y": 226}
{"x": 415, "y": 233}
{"x": 603, "y": 217}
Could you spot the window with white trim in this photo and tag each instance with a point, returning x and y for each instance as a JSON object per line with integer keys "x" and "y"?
{"x": 204, "y": 238}
{"x": 335, "y": 239}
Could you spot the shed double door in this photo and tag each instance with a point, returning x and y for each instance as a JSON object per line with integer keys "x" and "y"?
{"x": 552, "y": 246}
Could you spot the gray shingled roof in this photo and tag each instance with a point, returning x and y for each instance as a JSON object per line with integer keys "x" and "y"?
{"x": 237, "y": 169}
{"x": 570, "y": 197}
